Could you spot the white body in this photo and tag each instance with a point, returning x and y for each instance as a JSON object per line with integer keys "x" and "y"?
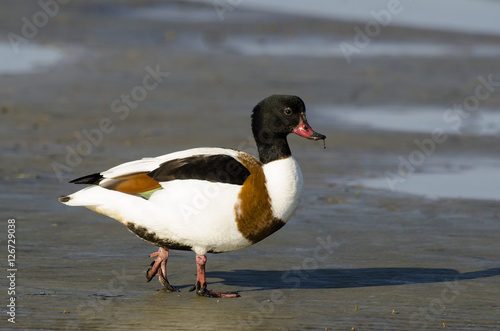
{"x": 195, "y": 213}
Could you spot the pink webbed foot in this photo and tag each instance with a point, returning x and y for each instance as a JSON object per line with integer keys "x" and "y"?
{"x": 201, "y": 282}
{"x": 159, "y": 268}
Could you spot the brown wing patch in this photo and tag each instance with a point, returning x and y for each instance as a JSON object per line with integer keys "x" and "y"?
{"x": 132, "y": 183}
{"x": 254, "y": 215}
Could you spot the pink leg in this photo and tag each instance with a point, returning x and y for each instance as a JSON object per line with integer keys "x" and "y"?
{"x": 201, "y": 282}
{"x": 159, "y": 267}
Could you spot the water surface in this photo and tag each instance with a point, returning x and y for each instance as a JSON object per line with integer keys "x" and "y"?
{"x": 477, "y": 182}
{"x": 29, "y": 58}
{"x": 467, "y": 16}
{"x": 415, "y": 119}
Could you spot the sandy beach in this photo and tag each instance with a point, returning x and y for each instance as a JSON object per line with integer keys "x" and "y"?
{"x": 398, "y": 229}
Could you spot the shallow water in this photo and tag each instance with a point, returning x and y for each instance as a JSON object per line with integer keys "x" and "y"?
{"x": 415, "y": 119}
{"x": 477, "y": 182}
{"x": 465, "y": 179}
{"x": 466, "y": 16}
{"x": 29, "y": 58}
{"x": 329, "y": 47}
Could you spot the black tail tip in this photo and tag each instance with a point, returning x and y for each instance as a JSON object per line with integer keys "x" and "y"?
{"x": 64, "y": 199}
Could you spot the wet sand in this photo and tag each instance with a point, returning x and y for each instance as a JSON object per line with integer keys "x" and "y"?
{"x": 351, "y": 257}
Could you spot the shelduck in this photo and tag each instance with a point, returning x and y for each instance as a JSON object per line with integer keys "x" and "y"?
{"x": 207, "y": 200}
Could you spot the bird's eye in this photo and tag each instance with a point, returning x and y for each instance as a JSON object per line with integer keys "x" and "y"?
{"x": 287, "y": 111}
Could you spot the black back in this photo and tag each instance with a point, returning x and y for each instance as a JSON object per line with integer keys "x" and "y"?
{"x": 214, "y": 168}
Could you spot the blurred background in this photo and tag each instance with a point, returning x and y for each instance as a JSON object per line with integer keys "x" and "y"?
{"x": 406, "y": 191}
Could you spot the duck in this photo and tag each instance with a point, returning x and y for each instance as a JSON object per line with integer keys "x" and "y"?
{"x": 208, "y": 199}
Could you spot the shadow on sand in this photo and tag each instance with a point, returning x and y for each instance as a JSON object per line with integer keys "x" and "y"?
{"x": 344, "y": 278}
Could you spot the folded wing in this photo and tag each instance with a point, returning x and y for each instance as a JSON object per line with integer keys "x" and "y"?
{"x": 213, "y": 165}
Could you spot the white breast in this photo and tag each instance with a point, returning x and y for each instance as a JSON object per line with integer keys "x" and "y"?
{"x": 284, "y": 184}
